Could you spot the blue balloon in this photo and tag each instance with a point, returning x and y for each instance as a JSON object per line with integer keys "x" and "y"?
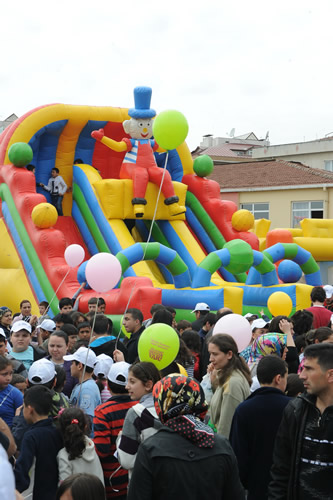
{"x": 81, "y": 274}
{"x": 289, "y": 271}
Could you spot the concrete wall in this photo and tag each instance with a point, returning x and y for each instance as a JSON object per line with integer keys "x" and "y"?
{"x": 312, "y": 153}
{"x": 280, "y": 202}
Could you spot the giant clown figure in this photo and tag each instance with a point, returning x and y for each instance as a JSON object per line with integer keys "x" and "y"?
{"x": 139, "y": 162}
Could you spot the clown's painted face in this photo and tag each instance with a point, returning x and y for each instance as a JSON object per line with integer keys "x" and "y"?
{"x": 139, "y": 128}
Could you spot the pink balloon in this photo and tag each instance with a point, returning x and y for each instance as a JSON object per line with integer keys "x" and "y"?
{"x": 74, "y": 255}
{"x": 237, "y": 326}
{"x": 103, "y": 272}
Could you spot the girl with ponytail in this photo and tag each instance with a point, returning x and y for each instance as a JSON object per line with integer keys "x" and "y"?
{"x": 78, "y": 454}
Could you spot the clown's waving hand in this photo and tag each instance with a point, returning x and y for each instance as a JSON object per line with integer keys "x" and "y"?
{"x": 139, "y": 162}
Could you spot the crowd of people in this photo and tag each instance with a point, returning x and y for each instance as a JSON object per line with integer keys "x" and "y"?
{"x": 81, "y": 417}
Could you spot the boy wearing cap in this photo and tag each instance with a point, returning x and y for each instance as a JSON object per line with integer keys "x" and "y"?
{"x": 36, "y": 470}
{"x": 108, "y": 422}
{"x": 41, "y": 372}
{"x": 85, "y": 394}
{"x": 46, "y": 327}
{"x": 22, "y": 351}
{"x": 200, "y": 311}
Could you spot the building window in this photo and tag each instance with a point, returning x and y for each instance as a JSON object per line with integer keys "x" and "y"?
{"x": 259, "y": 210}
{"x": 329, "y": 165}
{"x": 306, "y": 210}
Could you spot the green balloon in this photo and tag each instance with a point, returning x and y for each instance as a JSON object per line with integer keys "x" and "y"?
{"x": 170, "y": 129}
{"x": 241, "y": 256}
{"x": 159, "y": 344}
{"x": 203, "y": 166}
{"x": 20, "y": 154}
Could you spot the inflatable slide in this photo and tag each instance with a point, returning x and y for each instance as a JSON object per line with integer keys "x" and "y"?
{"x": 203, "y": 254}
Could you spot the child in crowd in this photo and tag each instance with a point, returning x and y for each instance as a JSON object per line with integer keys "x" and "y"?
{"x": 78, "y": 454}
{"x": 108, "y": 422}
{"x": 85, "y": 394}
{"x": 19, "y": 382}
{"x": 81, "y": 487}
{"x": 84, "y": 330}
{"x": 141, "y": 420}
{"x": 10, "y": 397}
{"x": 65, "y": 305}
{"x": 58, "y": 347}
{"x": 57, "y": 187}
{"x": 42, "y": 372}
{"x": 71, "y": 331}
{"x": 43, "y": 307}
{"x": 101, "y": 370}
{"x": 193, "y": 343}
{"x": 45, "y": 329}
{"x": 36, "y": 470}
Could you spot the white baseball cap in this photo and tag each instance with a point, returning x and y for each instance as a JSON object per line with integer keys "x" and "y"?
{"x": 41, "y": 371}
{"x": 201, "y": 306}
{"x": 83, "y": 355}
{"x": 328, "y": 290}
{"x": 48, "y": 325}
{"x": 103, "y": 365}
{"x": 21, "y": 325}
{"x": 258, "y": 323}
{"x": 117, "y": 370}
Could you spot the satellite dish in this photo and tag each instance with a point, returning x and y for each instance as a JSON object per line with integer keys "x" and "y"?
{"x": 267, "y": 135}
{"x": 232, "y": 132}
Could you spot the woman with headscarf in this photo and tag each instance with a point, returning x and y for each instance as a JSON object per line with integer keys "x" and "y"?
{"x": 269, "y": 343}
{"x": 184, "y": 459}
{"x": 283, "y": 324}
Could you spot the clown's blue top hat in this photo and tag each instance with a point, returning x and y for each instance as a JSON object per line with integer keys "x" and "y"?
{"x": 142, "y": 97}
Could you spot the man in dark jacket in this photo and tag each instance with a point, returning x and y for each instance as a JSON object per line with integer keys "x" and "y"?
{"x": 255, "y": 425}
{"x": 133, "y": 324}
{"x": 303, "y": 453}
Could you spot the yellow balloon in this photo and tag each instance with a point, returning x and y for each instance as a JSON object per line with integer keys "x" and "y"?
{"x": 123, "y": 329}
{"x": 280, "y": 304}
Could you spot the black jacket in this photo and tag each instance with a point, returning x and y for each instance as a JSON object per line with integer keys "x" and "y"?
{"x": 288, "y": 446}
{"x": 132, "y": 346}
{"x": 169, "y": 467}
{"x": 41, "y": 445}
{"x": 254, "y": 427}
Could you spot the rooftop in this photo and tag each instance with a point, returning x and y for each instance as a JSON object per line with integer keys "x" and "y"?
{"x": 267, "y": 174}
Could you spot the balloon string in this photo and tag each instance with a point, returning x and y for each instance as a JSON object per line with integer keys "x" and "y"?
{"x": 55, "y": 294}
{"x": 85, "y": 363}
{"x": 148, "y": 239}
{"x": 125, "y": 312}
{"x": 157, "y": 200}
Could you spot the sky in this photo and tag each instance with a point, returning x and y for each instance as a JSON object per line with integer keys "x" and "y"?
{"x": 249, "y": 65}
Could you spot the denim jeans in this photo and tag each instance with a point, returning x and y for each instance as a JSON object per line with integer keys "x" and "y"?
{"x": 56, "y": 201}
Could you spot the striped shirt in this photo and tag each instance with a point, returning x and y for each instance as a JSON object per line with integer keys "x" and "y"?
{"x": 133, "y": 148}
{"x": 140, "y": 423}
{"x": 108, "y": 422}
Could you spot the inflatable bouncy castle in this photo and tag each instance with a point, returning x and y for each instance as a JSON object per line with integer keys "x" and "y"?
{"x": 154, "y": 209}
